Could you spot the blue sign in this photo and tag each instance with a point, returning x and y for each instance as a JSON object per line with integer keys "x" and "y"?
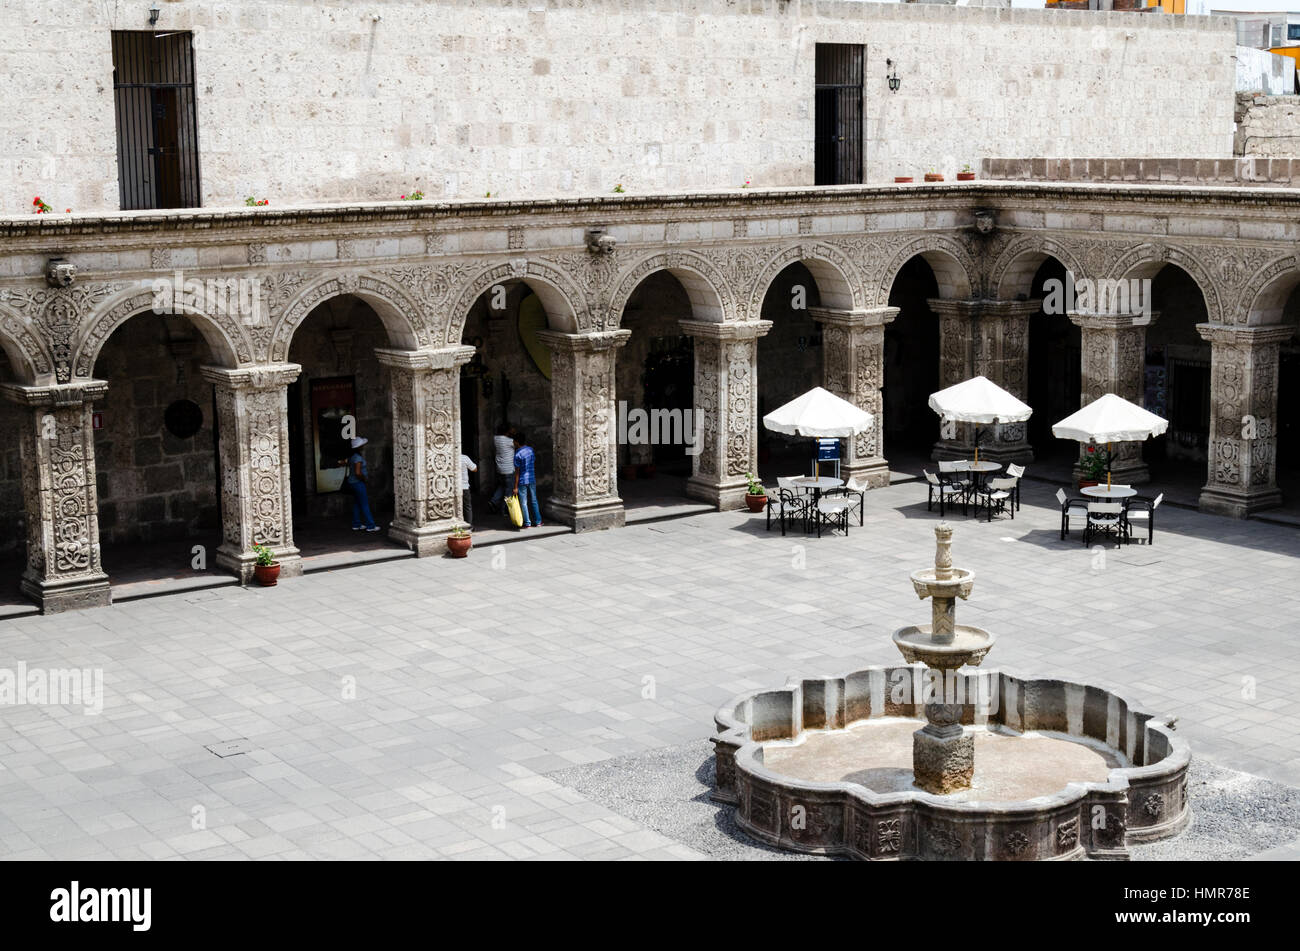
{"x": 828, "y": 450}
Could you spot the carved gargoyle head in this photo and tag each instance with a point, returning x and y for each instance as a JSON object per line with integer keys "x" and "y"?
{"x": 60, "y": 273}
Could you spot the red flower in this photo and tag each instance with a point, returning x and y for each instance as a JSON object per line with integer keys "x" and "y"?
{"x": 36, "y": 200}
{"x": 1092, "y": 449}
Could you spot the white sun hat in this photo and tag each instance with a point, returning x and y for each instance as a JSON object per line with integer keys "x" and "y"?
{"x": 359, "y": 441}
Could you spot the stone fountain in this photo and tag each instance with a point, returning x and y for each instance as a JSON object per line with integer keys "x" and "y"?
{"x": 835, "y": 763}
{"x": 943, "y": 754}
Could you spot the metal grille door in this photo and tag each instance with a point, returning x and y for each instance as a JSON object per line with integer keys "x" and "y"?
{"x": 838, "y": 114}
{"x": 157, "y": 129}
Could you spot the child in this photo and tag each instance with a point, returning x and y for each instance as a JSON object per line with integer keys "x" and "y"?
{"x": 466, "y": 467}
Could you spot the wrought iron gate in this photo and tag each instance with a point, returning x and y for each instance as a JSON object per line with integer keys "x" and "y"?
{"x": 838, "y": 114}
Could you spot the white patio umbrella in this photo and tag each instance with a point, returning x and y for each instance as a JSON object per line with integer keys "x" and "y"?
{"x": 979, "y": 401}
{"x": 1109, "y": 419}
{"x": 819, "y": 413}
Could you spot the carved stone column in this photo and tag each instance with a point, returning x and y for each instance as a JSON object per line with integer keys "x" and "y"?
{"x": 426, "y": 445}
{"x": 584, "y": 428}
{"x": 1243, "y": 418}
{"x": 988, "y": 338}
{"x": 1114, "y": 361}
{"x": 853, "y": 358}
{"x": 63, "y": 569}
{"x": 253, "y": 436}
{"x": 726, "y": 409}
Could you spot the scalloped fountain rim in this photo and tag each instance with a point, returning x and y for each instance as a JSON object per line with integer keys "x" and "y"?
{"x": 1142, "y": 802}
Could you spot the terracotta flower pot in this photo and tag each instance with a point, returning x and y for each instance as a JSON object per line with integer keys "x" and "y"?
{"x": 1085, "y": 483}
{"x": 268, "y": 576}
{"x": 933, "y": 177}
{"x": 459, "y": 546}
{"x": 901, "y": 179}
{"x": 755, "y": 502}
{"x": 965, "y": 176}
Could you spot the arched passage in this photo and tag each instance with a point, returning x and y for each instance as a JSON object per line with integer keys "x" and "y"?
{"x": 911, "y": 428}
{"x": 654, "y": 383}
{"x": 342, "y": 392}
{"x": 790, "y": 361}
{"x": 1055, "y": 354}
{"x": 1278, "y": 304}
{"x": 508, "y": 383}
{"x": 155, "y": 448}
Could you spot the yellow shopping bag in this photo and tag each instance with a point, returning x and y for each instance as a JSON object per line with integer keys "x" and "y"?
{"x": 514, "y": 511}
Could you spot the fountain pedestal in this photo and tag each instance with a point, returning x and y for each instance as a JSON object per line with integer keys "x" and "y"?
{"x": 943, "y": 754}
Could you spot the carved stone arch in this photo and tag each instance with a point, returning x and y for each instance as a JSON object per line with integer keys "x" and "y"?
{"x": 1265, "y": 293}
{"x": 955, "y": 270}
{"x": 562, "y": 299}
{"x": 1146, "y": 260}
{"x": 222, "y": 332}
{"x": 401, "y": 315}
{"x": 710, "y": 293}
{"x": 839, "y": 286}
{"x": 1013, "y": 272}
{"x": 27, "y": 354}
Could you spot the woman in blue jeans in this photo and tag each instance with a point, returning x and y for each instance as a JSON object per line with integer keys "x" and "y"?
{"x": 526, "y": 482}
{"x": 356, "y": 482}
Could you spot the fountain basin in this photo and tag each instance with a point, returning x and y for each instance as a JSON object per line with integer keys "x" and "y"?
{"x": 967, "y": 647}
{"x": 928, "y": 584}
{"x": 1140, "y": 795}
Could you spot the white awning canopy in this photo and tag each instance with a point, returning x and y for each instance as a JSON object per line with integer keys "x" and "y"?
{"x": 980, "y": 401}
{"x": 819, "y": 413}
{"x": 1110, "y": 419}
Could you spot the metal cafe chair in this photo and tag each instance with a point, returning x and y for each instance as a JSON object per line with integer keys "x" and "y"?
{"x": 945, "y": 491}
{"x": 1017, "y": 472}
{"x": 1070, "y": 508}
{"x": 790, "y": 505}
{"x": 1140, "y": 509}
{"x": 832, "y": 511}
{"x": 950, "y": 473}
{"x": 999, "y": 495}
{"x": 855, "y": 493}
{"x": 1105, "y": 518}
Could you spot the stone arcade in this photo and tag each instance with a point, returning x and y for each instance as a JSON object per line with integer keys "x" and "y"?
{"x": 422, "y": 266}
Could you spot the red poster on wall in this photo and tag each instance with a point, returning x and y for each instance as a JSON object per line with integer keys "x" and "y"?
{"x": 333, "y": 421}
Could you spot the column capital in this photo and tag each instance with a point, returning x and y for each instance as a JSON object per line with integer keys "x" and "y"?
{"x": 584, "y": 343}
{"x": 1091, "y": 321}
{"x": 444, "y": 358}
{"x": 984, "y": 307}
{"x": 268, "y": 377}
{"x": 853, "y": 319}
{"x": 55, "y": 395}
{"x": 729, "y": 330}
{"x": 1251, "y": 336}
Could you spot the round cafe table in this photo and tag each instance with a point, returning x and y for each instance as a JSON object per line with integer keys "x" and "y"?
{"x": 1112, "y": 492}
{"x": 818, "y": 485}
{"x": 979, "y": 469}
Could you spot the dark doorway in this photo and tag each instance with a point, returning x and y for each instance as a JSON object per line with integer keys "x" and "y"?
{"x": 838, "y": 114}
{"x": 157, "y": 126}
{"x": 1055, "y": 360}
{"x": 912, "y": 361}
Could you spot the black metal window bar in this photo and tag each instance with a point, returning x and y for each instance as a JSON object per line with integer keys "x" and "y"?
{"x": 838, "y": 114}
{"x": 157, "y": 125}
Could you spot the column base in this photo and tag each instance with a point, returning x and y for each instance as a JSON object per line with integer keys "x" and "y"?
{"x": 423, "y": 540}
{"x": 1134, "y": 474}
{"x": 240, "y": 563}
{"x": 1238, "y": 504}
{"x": 724, "y": 496}
{"x": 873, "y": 472}
{"x": 55, "y": 597}
{"x": 587, "y": 516}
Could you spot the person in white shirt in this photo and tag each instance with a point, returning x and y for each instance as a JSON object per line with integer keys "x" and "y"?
{"x": 503, "y": 450}
{"x": 466, "y": 467}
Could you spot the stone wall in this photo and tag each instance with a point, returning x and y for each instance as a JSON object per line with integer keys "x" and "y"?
{"x": 464, "y": 97}
{"x": 1268, "y": 126}
{"x": 153, "y": 485}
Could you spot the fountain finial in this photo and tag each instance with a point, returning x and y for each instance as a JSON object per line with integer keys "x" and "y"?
{"x": 943, "y": 551}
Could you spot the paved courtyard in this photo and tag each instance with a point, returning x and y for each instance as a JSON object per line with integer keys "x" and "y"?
{"x": 432, "y": 708}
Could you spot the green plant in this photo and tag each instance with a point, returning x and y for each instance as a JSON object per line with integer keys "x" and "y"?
{"x": 619, "y": 189}
{"x": 251, "y": 201}
{"x": 755, "y": 487}
{"x": 966, "y": 167}
{"x": 460, "y": 531}
{"x": 265, "y": 557}
{"x": 1096, "y": 462}
{"x": 416, "y": 195}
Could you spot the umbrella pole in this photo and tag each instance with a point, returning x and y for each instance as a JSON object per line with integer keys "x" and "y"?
{"x": 1108, "y": 466}
{"x": 977, "y": 445}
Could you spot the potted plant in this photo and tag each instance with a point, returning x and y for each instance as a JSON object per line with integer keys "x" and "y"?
{"x": 902, "y": 179}
{"x": 933, "y": 176}
{"x": 755, "y": 495}
{"x": 1093, "y": 467}
{"x": 966, "y": 174}
{"x": 266, "y": 569}
{"x": 459, "y": 541}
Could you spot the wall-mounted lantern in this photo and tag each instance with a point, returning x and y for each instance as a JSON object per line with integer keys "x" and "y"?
{"x": 891, "y": 75}
{"x": 153, "y": 15}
